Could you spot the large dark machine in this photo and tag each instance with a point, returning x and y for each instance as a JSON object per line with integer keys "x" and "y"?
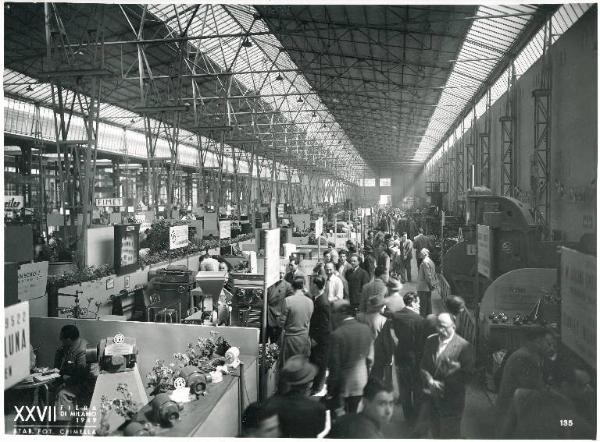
{"x": 515, "y": 243}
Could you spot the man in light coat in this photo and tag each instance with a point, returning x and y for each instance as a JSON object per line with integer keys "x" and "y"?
{"x": 426, "y": 282}
{"x": 334, "y": 287}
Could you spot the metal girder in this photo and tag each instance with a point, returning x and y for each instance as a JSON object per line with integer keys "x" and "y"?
{"x": 508, "y": 174}
{"x": 542, "y": 123}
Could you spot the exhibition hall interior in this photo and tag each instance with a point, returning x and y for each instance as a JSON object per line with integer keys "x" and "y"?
{"x": 300, "y": 220}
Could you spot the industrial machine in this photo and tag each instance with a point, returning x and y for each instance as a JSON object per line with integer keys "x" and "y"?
{"x": 514, "y": 242}
{"x": 117, "y": 358}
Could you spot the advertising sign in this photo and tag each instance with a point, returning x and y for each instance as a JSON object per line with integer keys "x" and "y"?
{"x": 271, "y": 256}
{"x": 484, "y": 245}
{"x": 578, "y": 306}
{"x": 109, "y": 202}
{"x": 13, "y": 202}
{"x": 16, "y": 343}
{"x": 280, "y": 210}
{"x": 319, "y": 226}
{"x": 127, "y": 248}
{"x": 224, "y": 229}
{"x": 32, "y": 280}
{"x": 178, "y": 237}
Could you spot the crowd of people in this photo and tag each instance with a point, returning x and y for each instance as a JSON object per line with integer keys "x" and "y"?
{"x": 355, "y": 343}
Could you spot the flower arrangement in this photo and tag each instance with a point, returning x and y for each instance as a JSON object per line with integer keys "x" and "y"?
{"x": 200, "y": 354}
{"x": 270, "y": 357}
{"x": 161, "y": 378}
{"x": 124, "y": 406}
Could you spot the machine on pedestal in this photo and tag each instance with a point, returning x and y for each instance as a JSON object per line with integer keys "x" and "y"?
{"x": 117, "y": 358}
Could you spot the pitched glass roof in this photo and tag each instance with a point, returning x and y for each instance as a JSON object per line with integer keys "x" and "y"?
{"x": 492, "y": 36}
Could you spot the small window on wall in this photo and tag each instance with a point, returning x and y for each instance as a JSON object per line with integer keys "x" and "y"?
{"x": 385, "y": 200}
{"x": 385, "y": 182}
{"x": 367, "y": 182}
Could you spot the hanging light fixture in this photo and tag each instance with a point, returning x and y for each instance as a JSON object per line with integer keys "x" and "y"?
{"x": 299, "y": 100}
{"x": 314, "y": 113}
{"x": 279, "y": 77}
{"x": 247, "y": 43}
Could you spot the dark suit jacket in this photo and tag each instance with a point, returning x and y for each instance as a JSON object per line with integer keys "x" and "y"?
{"x": 356, "y": 281}
{"x": 289, "y": 276}
{"x": 320, "y": 321}
{"x": 458, "y": 349}
{"x": 276, "y": 294}
{"x": 72, "y": 363}
{"x": 349, "y": 347}
{"x": 409, "y": 328}
{"x": 299, "y": 416}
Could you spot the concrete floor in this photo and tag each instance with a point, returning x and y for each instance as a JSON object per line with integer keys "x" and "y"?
{"x": 478, "y": 417}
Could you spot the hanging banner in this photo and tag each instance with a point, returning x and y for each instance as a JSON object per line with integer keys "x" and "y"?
{"x": 271, "y": 256}
{"x": 484, "y": 245}
{"x": 109, "y": 202}
{"x": 16, "y": 344}
{"x": 13, "y": 202}
{"x": 319, "y": 226}
{"x": 578, "y": 303}
{"x": 224, "y": 229}
{"x": 178, "y": 237}
{"x": 32, "y": 280}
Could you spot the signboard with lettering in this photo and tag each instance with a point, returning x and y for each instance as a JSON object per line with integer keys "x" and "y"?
{"x": 319, "y": 226}
{"x": 224, "y": 229}
{"x": 178, "y": 237}
{"x": 127, "y": 248}
{"x": 16, "y": 344}
{"x": 280, "y": 210}
{"x": 271, "y": 256}
{"x": 32, "y": 280}
{"x": 578, "y": 306}
{"x": 109, "y": 202}
{"x": 484, "y": 245}
{"x": 13, "y": 202}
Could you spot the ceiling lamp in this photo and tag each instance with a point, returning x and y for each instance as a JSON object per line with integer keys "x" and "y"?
{"x": 29, "y": 88}
{"x": 246, "y": 43}
{"x": 279, "y": 77}
{"x": 299, "y": 100}
{"x": 314, "y": 114}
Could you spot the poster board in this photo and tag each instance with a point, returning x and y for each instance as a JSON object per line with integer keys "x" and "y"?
{"x": 211, "y": 222}
{"x": 578, "y": 306}
{"x": 271, "y": 256}
{"x": 127, "y": 248}
{"x": 178, "y": 237}
{"x": 16, "y": 341}
{"x": 484, "y": 246}
{"x": 32, "y": 280}
{"x": 224, "y": 229}
{"x": 319, "y": 226}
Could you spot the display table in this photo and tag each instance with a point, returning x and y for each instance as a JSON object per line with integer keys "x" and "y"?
{"x": 506, "y": 335}
{"x": 36, "y": 385}
{"x": 215, "y": 415}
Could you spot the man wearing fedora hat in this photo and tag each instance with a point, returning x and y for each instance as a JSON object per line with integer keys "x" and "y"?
{"x": 299, "y": 416}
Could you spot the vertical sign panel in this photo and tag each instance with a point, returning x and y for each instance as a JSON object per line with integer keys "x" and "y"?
{"x": 32, "y": 280}
{"x": 16, "y": 343}
{"x": 578, "y": 306}
{"x": 224, "y": 229}
{"x": 484, "y": 242}
{"x": 319, "y": 226}
{"x": 271, "y": 256}
{"x": 178, "y": 237}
